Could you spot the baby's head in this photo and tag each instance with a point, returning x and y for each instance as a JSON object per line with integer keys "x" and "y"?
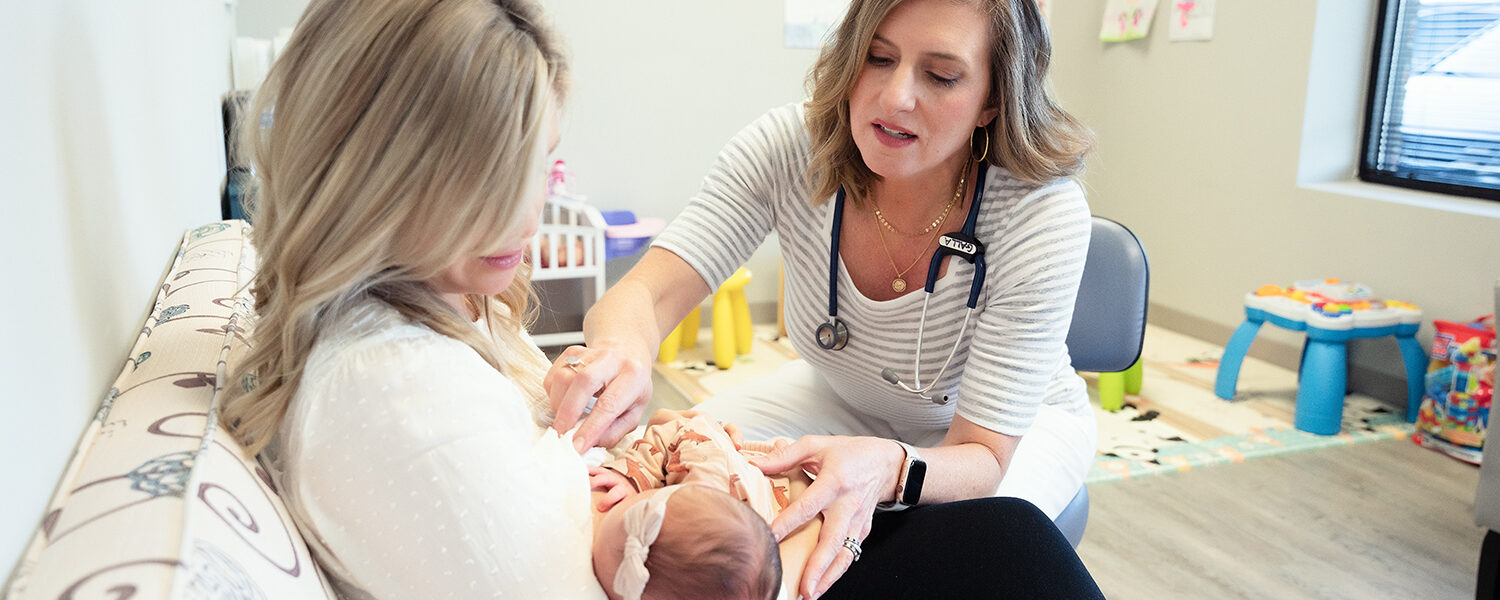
{"x": 710, "y": 545}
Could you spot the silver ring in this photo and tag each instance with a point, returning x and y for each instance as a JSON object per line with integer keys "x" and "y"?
{"x": 573, "y": 363}
{"x": 853, "y": 546}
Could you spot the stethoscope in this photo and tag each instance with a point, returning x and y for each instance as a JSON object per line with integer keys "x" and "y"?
{"x": 833, "y": 334}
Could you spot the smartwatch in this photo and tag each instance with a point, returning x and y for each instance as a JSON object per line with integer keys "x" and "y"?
{"x": 909, "y": 481}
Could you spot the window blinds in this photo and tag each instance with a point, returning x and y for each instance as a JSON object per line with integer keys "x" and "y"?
{"x": 1434, "y": 111}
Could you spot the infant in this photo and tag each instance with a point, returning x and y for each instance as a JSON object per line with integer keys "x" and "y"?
{"x": 685, "y": 541}
{"x": 694, "y": 519}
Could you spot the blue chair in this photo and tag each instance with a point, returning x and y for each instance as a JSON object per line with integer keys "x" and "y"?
{"x": 1109, "y": 324}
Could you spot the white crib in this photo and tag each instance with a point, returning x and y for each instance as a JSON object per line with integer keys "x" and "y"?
{"x": 569, "y": 245}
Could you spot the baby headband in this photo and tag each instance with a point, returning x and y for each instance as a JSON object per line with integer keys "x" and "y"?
{"x": 642, "y": 524}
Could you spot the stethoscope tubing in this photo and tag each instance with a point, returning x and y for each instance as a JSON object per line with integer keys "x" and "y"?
{"x": 834, "y": 335}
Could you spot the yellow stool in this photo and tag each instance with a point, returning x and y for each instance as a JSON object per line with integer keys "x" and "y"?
{"x": 1114, "y": 386}
{"x": 732, "y": 333}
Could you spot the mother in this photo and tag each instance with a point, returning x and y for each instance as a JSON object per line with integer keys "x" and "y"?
{"x": 926, "y": 117}
{"x": 391, "y": 384}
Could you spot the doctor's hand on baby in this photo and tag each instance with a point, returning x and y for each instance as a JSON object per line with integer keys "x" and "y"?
{"x": 602, "y": 392}
{"x": 851, "y": 475}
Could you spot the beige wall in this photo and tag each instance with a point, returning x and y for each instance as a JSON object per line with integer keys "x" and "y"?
{"x": 112, "y": 147}
{"x": 1231, "y": 159}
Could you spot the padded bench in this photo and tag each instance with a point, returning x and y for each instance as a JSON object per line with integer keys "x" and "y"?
{"x": 158, "y": 500}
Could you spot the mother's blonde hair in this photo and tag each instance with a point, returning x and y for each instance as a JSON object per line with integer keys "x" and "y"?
{"x": 403, "y": 136}
{"x": 1032, "y": 137}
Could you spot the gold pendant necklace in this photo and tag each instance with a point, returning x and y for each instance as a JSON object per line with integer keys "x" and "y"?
{"x": 898, "y": 284}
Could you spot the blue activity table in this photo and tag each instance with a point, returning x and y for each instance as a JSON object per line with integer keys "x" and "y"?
{"x": 1331, "y": 313}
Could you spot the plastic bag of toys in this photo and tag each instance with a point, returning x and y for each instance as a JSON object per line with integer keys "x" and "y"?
{"x": 1459, "y": 385}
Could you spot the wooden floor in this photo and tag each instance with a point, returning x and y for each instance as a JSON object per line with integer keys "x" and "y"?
{"x": 1375, "y": 520}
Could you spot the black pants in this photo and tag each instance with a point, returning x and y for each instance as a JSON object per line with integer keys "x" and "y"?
{"x": 985, "y": 548}
{"x": 1489, "y": 567}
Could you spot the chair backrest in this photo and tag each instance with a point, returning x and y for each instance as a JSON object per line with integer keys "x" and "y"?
{"x": 1109, "y": 318}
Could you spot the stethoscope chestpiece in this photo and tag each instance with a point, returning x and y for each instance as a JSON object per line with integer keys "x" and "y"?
{"x": 833, "y": 334}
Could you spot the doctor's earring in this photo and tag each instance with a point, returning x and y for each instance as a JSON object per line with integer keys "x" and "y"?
{"x": 986, "y": 137}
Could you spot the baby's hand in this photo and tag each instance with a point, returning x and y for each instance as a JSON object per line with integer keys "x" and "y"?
{"x": 614, "y": 485}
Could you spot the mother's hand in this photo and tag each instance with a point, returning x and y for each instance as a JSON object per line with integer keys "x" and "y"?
{"x": 852, "y": 474}
{"x": 622, "y": 384}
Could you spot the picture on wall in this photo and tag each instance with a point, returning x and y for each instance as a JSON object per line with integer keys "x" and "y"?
{"x": 809, "y": 22}
{"x": 1191, "y": 21}
{"x": 1126, "y": 20}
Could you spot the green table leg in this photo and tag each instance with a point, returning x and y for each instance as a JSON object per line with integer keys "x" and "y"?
{"x": 1133, "y": 377}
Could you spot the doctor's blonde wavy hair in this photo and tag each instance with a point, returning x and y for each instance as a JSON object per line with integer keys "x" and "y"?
{"x": 1032, "y": 137}
{"x": 404, "y": 135}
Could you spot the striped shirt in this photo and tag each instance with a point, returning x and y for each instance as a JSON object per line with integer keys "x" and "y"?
{"x": 1012, "y": 356}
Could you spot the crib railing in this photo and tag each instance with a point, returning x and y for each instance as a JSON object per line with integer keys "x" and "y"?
{"x": 569, "y": 245}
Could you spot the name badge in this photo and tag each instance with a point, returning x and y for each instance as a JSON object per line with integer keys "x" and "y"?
{"x": 962, "y": 245}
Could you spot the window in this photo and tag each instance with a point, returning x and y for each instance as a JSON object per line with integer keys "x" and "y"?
{"x": 1434, "y": 108}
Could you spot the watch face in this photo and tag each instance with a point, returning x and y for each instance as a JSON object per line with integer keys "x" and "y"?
{"x": 916, "y": 472}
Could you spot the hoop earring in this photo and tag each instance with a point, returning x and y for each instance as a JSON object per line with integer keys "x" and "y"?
{"x": 986, "y": 152}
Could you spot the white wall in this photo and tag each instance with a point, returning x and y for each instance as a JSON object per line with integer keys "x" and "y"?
{"x": 112, "y": 147}
{"x": 659, "y": 86}
{"x": 1231, "y": 159}
{"x": 265, "y": 18}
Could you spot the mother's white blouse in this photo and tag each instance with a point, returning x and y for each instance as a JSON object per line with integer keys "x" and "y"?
{"x": 416, "y": 470}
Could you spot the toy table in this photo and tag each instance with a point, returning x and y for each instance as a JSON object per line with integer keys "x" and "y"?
{"x": 1332, "y": 313}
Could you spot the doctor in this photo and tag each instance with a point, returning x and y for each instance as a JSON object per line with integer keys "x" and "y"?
{"x": 926, "y": 376}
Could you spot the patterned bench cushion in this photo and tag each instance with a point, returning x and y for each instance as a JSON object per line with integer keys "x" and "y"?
{"x": 158, "y": 501}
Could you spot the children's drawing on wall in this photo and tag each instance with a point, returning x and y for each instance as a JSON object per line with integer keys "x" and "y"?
{"x": 809, "y": 22}
{"x": 1127, "y": 20}
{"x": 1192, "y": 21}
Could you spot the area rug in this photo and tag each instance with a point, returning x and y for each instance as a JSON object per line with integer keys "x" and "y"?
{"x": 1175, "y": 423}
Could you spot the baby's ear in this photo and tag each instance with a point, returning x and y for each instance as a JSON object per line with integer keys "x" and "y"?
{"x": 606, "y": 561}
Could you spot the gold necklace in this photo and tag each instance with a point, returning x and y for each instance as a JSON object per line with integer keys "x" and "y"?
{"x": 898, "y": 284}
{"x": 958, "y": 193}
